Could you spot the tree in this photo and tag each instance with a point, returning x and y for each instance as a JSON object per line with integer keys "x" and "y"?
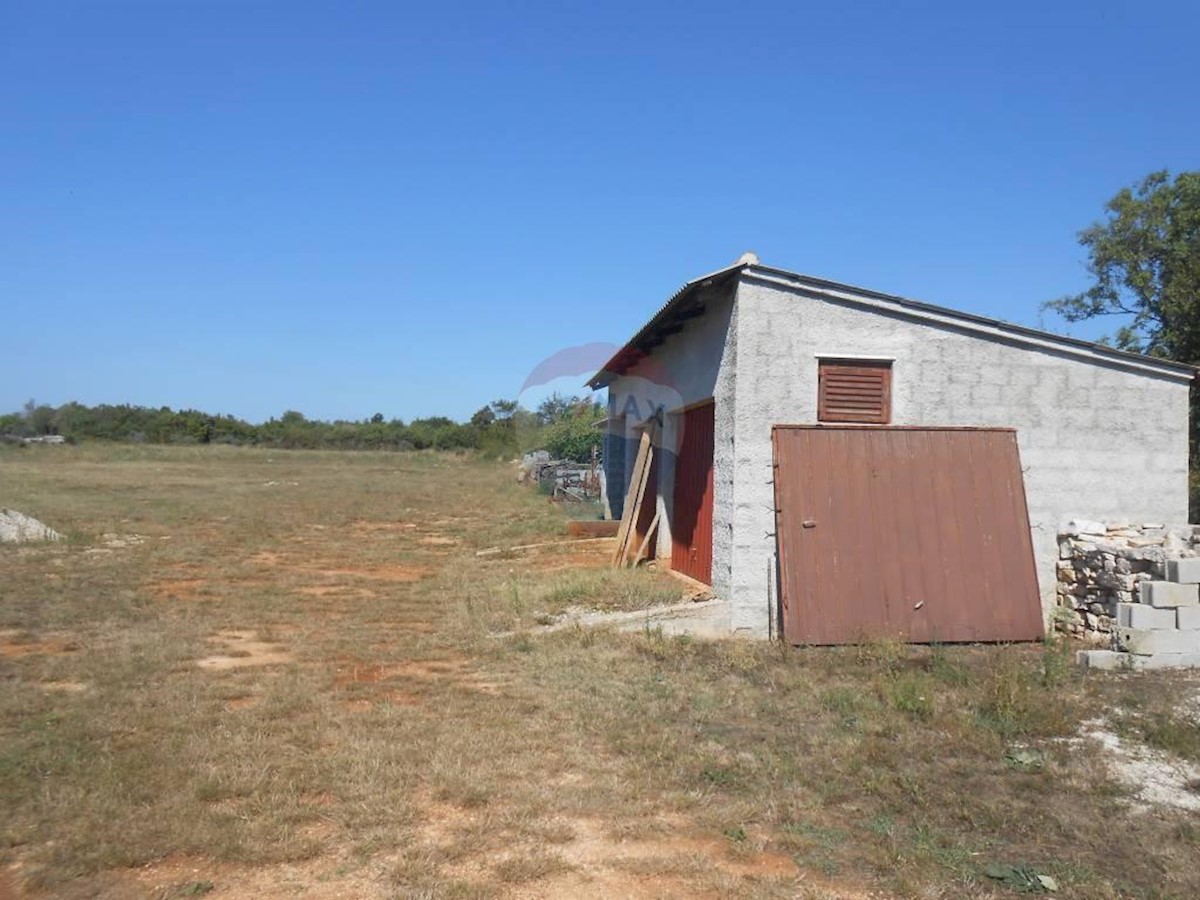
{"x": 556, "y": 407}
{"x": 504, "y": 409}
{"x": 38, "y": 419}
{"x": 483, "y": 417}
{"x": 1145, "y": 259}
{"x": 573, "y": 435}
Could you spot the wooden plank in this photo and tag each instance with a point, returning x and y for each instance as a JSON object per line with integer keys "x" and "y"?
{"x": 593, "y": 528}
{"x": 623, "y": 529}
{"x": 633, "y": 495}
{"x": 637, "y": 508}
{"x": 641, "y": 551}
{"x": 521, "y": 548}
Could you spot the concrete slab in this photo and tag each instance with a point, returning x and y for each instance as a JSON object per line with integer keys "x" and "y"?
{"x": 1148, "y": 643}
{"x": 1168, "y": 661}
{"x": 703, "y": 619}
{"x": 1114, "y": 661}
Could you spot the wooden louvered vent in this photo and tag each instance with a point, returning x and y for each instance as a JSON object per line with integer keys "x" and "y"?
{"x": 855, "y": 391}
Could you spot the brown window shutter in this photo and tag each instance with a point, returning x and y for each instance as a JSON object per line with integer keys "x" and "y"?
{"x": 857, "y": 391}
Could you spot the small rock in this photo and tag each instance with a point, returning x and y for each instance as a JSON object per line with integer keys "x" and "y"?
{"x": 1079, "y": 527}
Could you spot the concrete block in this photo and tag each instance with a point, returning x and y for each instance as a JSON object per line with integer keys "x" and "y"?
{"x": 1189, "y": 660}
{"x": 1150, "y": 618}
{"x": 1168, "y": 593}
{"x": 1187, "y": 617}
{"x": 1114, "y": 661}
{"x": 1105, "y": 660}
{"x": 1184, "y": 571}
{"x": 1147, "y": 643}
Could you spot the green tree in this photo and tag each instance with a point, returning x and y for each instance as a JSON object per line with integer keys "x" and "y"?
{"x": 504, "y": 409}
{"x": 556, "y": 407}
{"x": 483, "y": 417}
{"x": 1145, "y": 262}
{"x": 573, "y": 435}
{"x": 38, "y": 419}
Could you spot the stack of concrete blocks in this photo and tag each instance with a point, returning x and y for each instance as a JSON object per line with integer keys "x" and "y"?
{"x": 1103, "y": 565}
{"x": 1160, "y": 632}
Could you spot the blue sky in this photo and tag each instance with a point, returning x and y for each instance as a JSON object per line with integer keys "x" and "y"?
{"x": 345, "y": 208}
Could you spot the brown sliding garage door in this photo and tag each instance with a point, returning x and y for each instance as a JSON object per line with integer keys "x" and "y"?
{"x": 691, "y": 530}
{"x": 921, "y": 533}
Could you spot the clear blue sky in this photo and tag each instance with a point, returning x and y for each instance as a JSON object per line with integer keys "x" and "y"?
{"x": 345, "y": 208}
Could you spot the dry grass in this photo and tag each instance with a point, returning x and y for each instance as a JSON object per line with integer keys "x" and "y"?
{"x": 364, "y": 735}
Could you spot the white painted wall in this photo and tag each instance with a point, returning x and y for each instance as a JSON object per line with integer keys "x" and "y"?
{"x": 1095, "y": 440}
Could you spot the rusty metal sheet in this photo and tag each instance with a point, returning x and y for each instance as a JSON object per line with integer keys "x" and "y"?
{"x": 921, "y": 533}
{"x": 691, "y": 530}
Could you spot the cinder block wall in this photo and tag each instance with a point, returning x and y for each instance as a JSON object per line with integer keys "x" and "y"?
{"x": 1095, "y": 440}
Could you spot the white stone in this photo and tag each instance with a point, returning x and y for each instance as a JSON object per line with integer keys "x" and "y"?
{"x": 18, "y": 528}
{"x": 1079, "y": 527}
{"x": 1138, "y": 543}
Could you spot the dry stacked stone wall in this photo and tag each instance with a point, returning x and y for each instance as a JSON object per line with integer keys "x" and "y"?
{"x": 1102, "y": 564}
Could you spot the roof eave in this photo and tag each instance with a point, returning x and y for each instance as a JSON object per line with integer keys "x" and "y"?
{"x": 1089, "y": 350}
{"x": 620, "y": 362}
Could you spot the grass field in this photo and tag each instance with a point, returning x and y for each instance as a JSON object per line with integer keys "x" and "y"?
{"x": 272, "y": 674}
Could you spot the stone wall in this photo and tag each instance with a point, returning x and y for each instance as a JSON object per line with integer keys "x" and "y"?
{"x": 1103, "y": 564}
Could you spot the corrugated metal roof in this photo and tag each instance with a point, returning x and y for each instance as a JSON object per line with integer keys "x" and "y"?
{"x": 618, "y": 363}
{"x": 836, "y": 291}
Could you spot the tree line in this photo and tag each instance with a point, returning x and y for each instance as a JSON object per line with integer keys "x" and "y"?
{"x": 565, "y": 426}
{"x": 1143, "y": 258}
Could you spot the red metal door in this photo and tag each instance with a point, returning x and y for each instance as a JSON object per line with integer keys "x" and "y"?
{"x": 691, "y": 530}
{"x": 921, "y": 533}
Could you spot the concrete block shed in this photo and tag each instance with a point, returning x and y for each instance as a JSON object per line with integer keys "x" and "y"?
{"x": 734, "y": 356}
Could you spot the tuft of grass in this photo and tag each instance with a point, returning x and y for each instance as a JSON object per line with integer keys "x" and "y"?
{"x": 1017, "y": 698}
{"x": 912, "y": 693}
{"x": 530, "y": 867}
